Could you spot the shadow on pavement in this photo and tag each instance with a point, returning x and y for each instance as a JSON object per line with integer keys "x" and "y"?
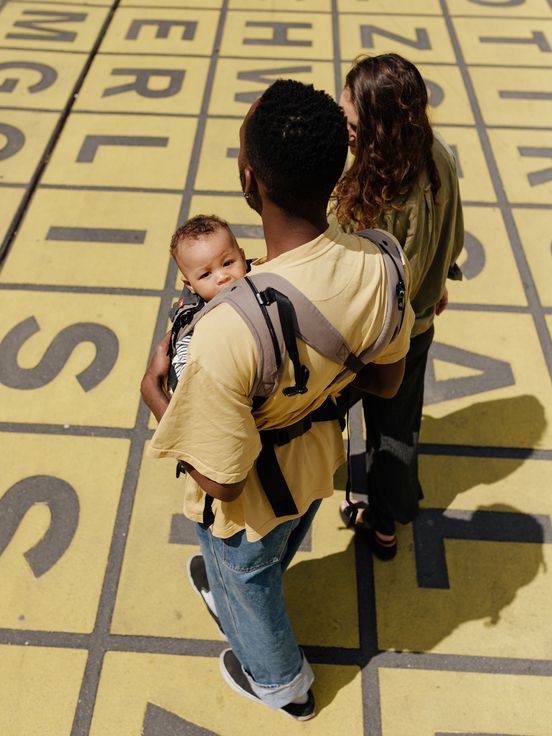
{"x": 431, "y": 589}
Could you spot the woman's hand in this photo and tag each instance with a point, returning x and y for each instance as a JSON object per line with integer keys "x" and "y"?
{"x": 442, "y": 304}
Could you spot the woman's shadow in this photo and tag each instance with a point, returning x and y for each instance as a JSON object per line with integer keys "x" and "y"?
{"x": 454, "y": 566}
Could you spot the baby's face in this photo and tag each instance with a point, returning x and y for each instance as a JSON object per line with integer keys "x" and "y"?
{"x": 210, "y": 263}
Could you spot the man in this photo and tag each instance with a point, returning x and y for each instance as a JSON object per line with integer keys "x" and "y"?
{"x": 293, "y": 145}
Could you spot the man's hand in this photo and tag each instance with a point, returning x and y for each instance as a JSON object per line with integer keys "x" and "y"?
{"x": 442, "y": 304}
{"x": 154, "y": 383}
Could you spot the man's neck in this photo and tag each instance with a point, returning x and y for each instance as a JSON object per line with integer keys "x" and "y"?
{"x": 284, "y": 232}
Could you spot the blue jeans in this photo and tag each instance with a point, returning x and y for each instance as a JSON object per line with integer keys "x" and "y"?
{"x": 246, "y": 582}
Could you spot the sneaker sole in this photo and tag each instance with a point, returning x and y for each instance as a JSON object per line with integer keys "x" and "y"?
{"x": 233, "y": 684}
{"x": 297, "y": 718}
{"x": 198, "y": 593}
{"x": 254, "y": 698}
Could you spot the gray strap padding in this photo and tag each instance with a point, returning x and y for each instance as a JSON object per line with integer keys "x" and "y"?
{"x": 242, "y": 299}
{"x": 393, "y": 259}
{"x": 312, "y": 327}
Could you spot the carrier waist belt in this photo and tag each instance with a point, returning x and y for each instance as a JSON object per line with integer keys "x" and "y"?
{"x": 283, "y": 435}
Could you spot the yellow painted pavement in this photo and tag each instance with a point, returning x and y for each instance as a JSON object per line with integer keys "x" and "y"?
{"x": 117, "y": 121}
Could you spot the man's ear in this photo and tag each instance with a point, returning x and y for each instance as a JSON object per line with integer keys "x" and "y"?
{"x": 250, "y": 182}
{"x": 252, "y": 190}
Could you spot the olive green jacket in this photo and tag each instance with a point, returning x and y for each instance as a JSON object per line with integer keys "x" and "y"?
{"x": 431, "y": 234}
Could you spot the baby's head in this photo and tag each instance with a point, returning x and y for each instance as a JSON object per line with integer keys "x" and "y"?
{"x": 207, "y": 255}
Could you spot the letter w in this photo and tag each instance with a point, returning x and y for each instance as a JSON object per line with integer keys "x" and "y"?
{"x": 47, "y": 34}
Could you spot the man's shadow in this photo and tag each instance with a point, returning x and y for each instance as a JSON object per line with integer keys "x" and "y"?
{"x": 445, "y": 574}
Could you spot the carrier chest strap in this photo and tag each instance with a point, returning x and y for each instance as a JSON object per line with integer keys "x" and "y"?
{"x": 274, "y": 484}
{"x": 208, "y": 515}
{"x": 268, "y": 469}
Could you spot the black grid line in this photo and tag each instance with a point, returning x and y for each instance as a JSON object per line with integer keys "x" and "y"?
{"x": 83, "y": 715}
{"x": 368, "y": 657}
{"x": 525, "y": 274}
{"x": 21, "y": 210}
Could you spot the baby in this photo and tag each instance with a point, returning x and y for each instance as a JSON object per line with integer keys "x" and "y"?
{"x": 209, "y": 258}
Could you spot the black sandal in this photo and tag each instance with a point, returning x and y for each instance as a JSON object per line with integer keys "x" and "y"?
{"x": 353, "y": 516}
{"x": 383, "y": 549}
{"x": 349, "y": 512}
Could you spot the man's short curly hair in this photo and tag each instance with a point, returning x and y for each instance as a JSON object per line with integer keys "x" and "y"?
{"x": 296, "y": 143}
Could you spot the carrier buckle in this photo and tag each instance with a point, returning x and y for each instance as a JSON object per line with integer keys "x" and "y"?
{"x": 401, "y": 293}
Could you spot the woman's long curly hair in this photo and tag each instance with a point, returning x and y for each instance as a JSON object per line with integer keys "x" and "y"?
{"x": 393, "y": 139}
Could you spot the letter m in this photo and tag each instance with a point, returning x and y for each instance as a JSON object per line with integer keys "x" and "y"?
{"x": 421, "y": 41}
{"x": 46, "y": 17}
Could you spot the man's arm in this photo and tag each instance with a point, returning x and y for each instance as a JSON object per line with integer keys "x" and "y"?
{"x": 381, "y": 379}
{"x": 222, "y": 491}
{"x": 154, "y": 381}
{"x": 155, "y": 397}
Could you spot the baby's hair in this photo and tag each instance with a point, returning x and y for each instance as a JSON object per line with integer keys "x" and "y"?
{"x": 197, "y": 226}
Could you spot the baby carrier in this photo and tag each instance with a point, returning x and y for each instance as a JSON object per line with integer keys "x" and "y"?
{"x": 277, "y": 313}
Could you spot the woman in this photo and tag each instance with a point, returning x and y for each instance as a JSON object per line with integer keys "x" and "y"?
{"x": 403, "y": 179}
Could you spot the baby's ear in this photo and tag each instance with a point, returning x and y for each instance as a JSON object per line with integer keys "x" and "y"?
{"x": 242, "y": 253}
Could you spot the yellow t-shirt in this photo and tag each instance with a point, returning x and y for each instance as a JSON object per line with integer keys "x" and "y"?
{"x": 209, "y": 422}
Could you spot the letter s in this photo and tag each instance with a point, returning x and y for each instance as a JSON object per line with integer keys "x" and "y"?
{"x": 57, "y": 354}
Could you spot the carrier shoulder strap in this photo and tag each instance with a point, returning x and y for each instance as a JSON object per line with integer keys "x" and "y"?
{"x": 276, "y": 312}
{"x": 394, "y": 261}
